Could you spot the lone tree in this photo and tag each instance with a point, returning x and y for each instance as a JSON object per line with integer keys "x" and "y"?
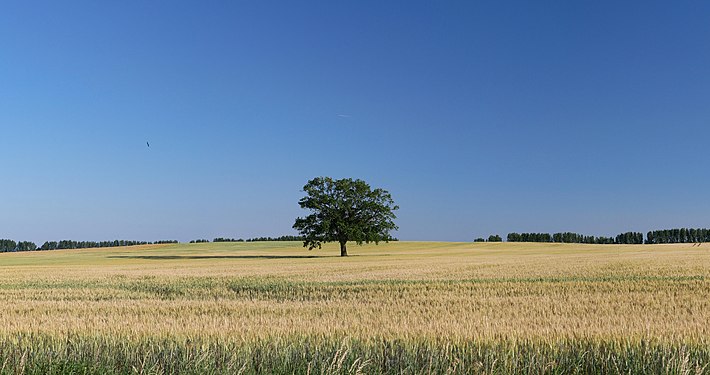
{"x": 345, "y": 210}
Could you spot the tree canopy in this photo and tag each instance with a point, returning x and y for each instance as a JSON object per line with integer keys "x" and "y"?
{"x": 345, "y": 210}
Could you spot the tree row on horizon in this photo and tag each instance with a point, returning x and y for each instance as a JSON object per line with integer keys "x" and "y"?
{"x": 12, "y": 246}
{"x": 663, "y": 236}
{"x": 627, "y": 238}
{"x": 7, "y": 245}
{"x": 255, "y": 239}
{"x": 681, "y": 235}
{"x": 261, "y": 239}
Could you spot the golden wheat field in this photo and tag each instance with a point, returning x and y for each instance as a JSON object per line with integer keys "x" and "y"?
{"x": 400, "y": 307}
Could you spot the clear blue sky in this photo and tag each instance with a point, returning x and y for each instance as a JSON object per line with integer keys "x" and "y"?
{"x": 478, "y": 117}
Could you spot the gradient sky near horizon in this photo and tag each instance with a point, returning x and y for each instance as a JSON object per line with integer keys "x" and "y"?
{"x": 479, "y": 117}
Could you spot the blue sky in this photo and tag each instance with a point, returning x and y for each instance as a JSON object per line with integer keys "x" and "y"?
{"x": 478, "y": 117}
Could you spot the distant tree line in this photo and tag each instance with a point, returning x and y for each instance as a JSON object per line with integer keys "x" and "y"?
{"x": 629, "y": 238}
{"x": 255, "y": 239}
{"x": 282, "y": 238}
{"x": 258, "y": 239}
{"x": 222, "y": 239}
{"x": 681, "y": 235}
{"x": 569, "y": 237}
{"x": 529, "y": 237}
{"x": 12, "y": 246}
{"x": 491, "y": 238}
{"x": 69, "y": 244}
{"x": 26, "y": 246}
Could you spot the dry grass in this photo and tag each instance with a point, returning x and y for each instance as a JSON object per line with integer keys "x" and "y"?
{"x": 432, "y": 295}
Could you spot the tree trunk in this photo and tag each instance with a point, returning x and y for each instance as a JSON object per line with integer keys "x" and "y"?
{"x": 343, "y": 249}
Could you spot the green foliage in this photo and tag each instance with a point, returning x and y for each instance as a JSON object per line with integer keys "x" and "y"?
{"x": 280, "y": 238}
{"x": 629, "y": 238}
{"x": 165, "y": 242}
{"x": 569, "y": 237}
{"x": 259, "y": 239}
{"x": 682, "y": 235}
{"x": 7, "y": 245}
{"x": 345, "y": 210}
{"x": 69, "y": 244}
{"x": 26, "y": 246}
{"x": 529, "y": 237}
{"x": 10, "y": 246}
{"x": 494, "y": 238}
{"x": 222, "y": 239}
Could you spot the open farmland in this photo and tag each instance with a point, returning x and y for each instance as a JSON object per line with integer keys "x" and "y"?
{"x": 401, "y": 307}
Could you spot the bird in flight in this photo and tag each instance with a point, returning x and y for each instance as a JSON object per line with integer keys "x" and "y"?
{"x": 148, "y": 144}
